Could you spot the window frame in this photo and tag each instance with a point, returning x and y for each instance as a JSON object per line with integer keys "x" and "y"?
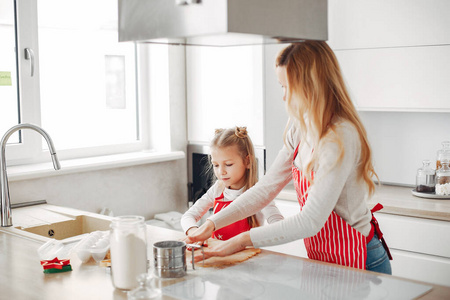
{"x": 30, "y": 151}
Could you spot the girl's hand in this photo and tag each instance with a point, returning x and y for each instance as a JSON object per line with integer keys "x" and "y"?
{"x": 186, "y": 239}
{"x": 201, "y": 234}
{"x": 225, "y": 248}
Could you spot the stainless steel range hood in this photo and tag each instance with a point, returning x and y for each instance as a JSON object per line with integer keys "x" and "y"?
{"x": 222, "y": 22}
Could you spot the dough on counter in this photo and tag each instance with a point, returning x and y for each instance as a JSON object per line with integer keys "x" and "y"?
{"x": 232, "y": 259}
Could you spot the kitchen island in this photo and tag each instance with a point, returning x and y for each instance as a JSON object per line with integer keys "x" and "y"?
{"x": 269, "y": 275}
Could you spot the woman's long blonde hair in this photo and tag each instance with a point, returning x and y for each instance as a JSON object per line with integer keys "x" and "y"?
{"x": 238, "y": 136}
{"x": 317, "y": 90}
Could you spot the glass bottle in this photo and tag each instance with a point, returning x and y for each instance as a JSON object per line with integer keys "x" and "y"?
{"x": 128, "y": 244}
{"x": 443, "y": 179}
{"x": 443, "y": 153}
{"x": 425, "y": 178}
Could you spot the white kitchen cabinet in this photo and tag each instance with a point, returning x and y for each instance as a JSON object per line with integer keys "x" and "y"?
{"x": 275, "y": 115}
{"x": 420, "y": 247}
{"x": 356, "y": 24}
{"x": 398, "y": 79}
{"x": 394, "y": 55}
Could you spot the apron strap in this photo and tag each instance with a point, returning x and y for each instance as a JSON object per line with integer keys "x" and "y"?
{"x": 295, "y": 152}
{"x": 376, "y": 229}
{"x": 220, "y": 197}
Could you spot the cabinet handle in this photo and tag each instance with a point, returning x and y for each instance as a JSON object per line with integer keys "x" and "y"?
{"x": 29, "y": 55}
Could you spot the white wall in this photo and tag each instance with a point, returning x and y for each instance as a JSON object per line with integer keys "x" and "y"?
{"x": 401, "y": 140}
{"x": 224, "y": 90}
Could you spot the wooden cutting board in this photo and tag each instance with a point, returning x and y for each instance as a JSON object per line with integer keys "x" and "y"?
{"x": 232, "y": 259}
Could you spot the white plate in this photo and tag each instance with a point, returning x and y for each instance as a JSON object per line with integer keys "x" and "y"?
{"x": 429, "y": 195}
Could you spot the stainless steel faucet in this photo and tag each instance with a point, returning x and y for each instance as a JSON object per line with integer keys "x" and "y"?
{"x": 5, "y": 201}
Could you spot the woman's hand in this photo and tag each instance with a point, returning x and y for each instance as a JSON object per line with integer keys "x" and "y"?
{"x": 225, "y": 248}
{"x": 200, "y": 234}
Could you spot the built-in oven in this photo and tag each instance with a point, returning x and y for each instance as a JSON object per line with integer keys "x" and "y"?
{"x": 201, "y": 176}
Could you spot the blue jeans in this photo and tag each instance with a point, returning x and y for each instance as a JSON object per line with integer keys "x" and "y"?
{"x": 377, "y": 258}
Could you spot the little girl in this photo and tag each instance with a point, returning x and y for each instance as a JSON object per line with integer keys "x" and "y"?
{"x": 234, "y": 163}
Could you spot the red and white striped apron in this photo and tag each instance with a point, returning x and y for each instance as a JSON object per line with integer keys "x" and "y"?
{"x": 231, "y": 230}
{"x": 337, "y": 242}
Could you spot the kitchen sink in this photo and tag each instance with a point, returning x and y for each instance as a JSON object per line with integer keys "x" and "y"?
{"x": 45, "y": 222}
{"x": 66, "y": 229}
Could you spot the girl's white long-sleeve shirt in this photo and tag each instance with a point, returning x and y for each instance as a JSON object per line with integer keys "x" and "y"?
{"x": 270, "y": 213}
{"x": 336, "y": 187}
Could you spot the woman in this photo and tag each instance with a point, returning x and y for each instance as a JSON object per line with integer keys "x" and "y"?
{"x": 327, "y": 155}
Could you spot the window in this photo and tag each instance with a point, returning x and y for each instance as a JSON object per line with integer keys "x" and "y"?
{"x": 9, "y": 105}
{"x": 78, "y": 83}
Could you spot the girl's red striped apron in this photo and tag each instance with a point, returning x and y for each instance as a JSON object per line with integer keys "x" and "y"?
{"x": 231, "y": 230}
{"x": 337, "y": 242}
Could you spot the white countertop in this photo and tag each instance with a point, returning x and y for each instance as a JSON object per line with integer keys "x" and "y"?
{"x": 268, "y": 275}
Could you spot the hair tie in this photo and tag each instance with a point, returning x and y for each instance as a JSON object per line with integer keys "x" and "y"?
{"x": 241, "y": 132}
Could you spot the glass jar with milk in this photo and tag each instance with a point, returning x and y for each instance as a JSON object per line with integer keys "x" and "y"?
{"x": 128, "y": 244}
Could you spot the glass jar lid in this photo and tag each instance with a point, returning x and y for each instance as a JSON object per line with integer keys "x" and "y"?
{"x": 426, "y": 168}
{"x": 444, "y": 152}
